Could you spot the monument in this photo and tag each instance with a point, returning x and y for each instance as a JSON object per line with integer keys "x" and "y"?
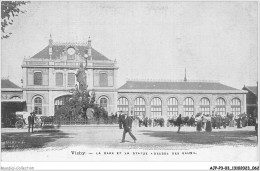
{"x": 81, "y": 107}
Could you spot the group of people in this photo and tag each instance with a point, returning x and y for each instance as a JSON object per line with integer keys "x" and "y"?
{"x": 217, "y": 121}
{"x": 200, "y": 121}
{"x": 203, "y": 122}
{"x": 113, "y": 118}
{"x": 150, "y": 122}
{"x": 207, "y": 122}
{"x": 179, "y": 121}
{"x": 187, "y": 121}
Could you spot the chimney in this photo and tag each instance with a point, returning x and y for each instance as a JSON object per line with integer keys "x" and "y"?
{"x": 50, "y": 46}
{"x": 89, "y": 48}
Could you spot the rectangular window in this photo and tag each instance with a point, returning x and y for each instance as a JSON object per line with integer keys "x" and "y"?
{"x": 235, "y": 110}
{"x": 37, "y": 78}
{"x": 205, "y": 110}
{"x": 172, "y": 111}
{"x": 38, "y": 105}
{"x": 188, "y": 110}
{"x": 71, "y": 79}
{"x": 59, "y": 79}
{"x": 220, "y": 110}
{"x": 103, "y": 80}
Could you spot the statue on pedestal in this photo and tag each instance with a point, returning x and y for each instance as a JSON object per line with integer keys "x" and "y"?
{"x": 82, "y": 103}
{"x": 81, "y": 78}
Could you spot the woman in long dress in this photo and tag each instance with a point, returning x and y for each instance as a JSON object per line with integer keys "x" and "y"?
{"x": 208, "y": 124}
{"x": 232, "y": 123}
{"x": 239, "y": 123}
{"x": 199, "y": 123}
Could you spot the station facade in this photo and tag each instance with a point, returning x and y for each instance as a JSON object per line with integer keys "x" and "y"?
{"x": 49, "y": 76}
{"x": 158, "y": 99}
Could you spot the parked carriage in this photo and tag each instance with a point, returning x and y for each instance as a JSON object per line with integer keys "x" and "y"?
{"x": 22, "y": 120}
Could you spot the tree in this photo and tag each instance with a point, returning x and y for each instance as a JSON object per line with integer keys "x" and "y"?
{"x": 9, "y": 10}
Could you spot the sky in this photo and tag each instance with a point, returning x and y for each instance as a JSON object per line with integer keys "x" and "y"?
{"x": 150, "y": 40}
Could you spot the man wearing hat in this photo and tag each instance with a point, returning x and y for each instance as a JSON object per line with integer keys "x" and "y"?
{"x": 31, "y": 121}
{"x": 127, "y": 125}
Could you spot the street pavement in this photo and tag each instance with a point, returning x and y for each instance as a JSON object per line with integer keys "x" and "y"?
{"x": 220, "y": 144}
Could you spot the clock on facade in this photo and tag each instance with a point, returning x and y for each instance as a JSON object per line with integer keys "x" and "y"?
{"x": 71, "y": 51}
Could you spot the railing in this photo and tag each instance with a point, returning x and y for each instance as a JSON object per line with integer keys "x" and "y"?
{"x": 37, "y": 63}
{"x": 94, "y": 121}
{"x": 103, "y": 64}
{"x": 69, "y": 63}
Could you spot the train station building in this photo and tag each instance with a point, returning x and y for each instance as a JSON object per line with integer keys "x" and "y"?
{"x": 49, "y": 75}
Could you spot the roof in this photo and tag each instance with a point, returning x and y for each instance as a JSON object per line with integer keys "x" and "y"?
{"x": 59, "y": 48}
{"x": 253, "y": 89}
{"x": 6, "y": 83}
{"x": 152, "y": 85}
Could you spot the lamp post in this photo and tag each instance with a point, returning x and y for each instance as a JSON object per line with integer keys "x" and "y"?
{"x": 132, "y": 110}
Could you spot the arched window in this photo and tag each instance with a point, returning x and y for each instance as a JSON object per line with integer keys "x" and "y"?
{"x": 38, "y": 105}
{"x": 37, "y": 78}
{"x": 188, "y": 107}
{"x": 103, "y": 79}
{"x": 235, "y": 106}
{"x": 104, "y": 103}
{"x": 139, "y": 107}
{"x": 156, "y": 107}
{"x": 220, "y": 107}
{"x": 205, "y": 106}
{"x": 172, "y": 108}
{"x": 123, "y": 104}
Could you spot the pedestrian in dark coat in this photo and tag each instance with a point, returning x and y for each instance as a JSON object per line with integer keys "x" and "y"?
{"x": 150, "y": 122}
{"x": 120, "y": 121}
{"x": 218, "y": 121}
{"x": 191, "y": 121}
{"x": 140, "y": 122}
{"x": 127, "y": 125}
{"x": 224, "y": 122}
{"x": 213, "y": 122}
{"x": 31, "y": 121}
{"x": 199, "y": 123}
{"x": 145, "y": 121}
{"x": 244, "y": 121}
{"x": 179, "y": 123}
